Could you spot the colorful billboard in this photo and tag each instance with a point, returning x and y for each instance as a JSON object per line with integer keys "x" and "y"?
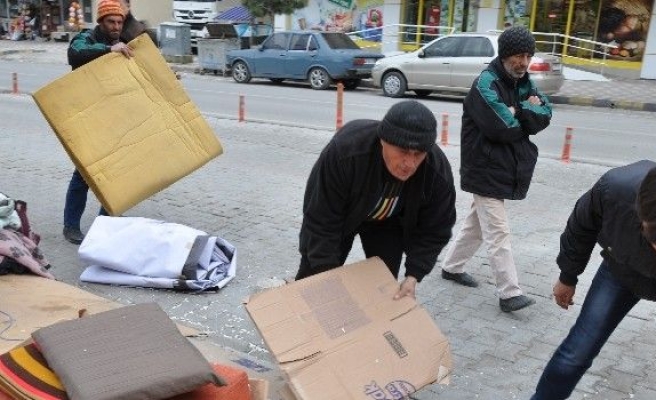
{"x": 362, "y": 16}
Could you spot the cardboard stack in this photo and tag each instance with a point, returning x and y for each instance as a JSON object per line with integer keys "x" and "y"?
{"x": 34, "y": 302}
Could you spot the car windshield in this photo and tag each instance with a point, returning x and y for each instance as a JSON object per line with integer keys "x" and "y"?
{"x": 339, "y": 40}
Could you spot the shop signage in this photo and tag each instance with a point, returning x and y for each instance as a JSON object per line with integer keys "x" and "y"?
{"x": 343, "y": 3}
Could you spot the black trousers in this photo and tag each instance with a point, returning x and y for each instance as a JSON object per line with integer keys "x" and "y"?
{"x": 382, "y": 239}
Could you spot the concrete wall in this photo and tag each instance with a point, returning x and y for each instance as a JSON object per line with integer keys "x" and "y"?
{"x": 488, "y": 14}
{"x": 392, "y": 17}
{"x": 144, "y": 10}
{"x": 649, "y": 59}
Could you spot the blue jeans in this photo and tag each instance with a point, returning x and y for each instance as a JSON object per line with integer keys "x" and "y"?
{"x": 604, "y": 307}
{"x": 76, "y": 201}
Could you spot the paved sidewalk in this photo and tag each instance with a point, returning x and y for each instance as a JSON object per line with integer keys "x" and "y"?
{"x": 252, "y": 196}
{"x": 624, "y": 91}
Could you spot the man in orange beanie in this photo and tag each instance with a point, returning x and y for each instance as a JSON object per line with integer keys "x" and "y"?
{"x": 85, "y": 47}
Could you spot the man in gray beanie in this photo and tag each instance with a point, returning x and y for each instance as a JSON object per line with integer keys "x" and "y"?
{"x": 387, "y": 182}
{"x": 500, "y": 113}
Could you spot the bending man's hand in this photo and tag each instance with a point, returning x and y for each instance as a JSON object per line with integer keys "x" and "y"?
{"x": 122, "y": 48}
{"x": 563, "y": 294}
{"x": 407, "y": 288}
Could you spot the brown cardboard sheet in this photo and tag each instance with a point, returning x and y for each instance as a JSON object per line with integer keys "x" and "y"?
{"x": 128, "y": 125}
{"x": 30, "y": 302}
{"x": 340, "y": 335}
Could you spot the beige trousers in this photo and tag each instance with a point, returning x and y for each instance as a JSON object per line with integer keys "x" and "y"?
{"x": 486, "y": 222}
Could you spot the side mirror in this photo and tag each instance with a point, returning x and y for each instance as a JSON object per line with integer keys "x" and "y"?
{"x": 421, "y": 54}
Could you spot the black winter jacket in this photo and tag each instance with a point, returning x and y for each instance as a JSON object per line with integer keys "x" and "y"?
{"x": 344, "y": 186}
{"x": 607, "y": 214}
{"x": 498, "y": 158}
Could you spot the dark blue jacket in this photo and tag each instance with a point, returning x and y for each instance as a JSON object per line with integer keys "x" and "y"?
{"x": 607, "y": 215}
{"x": 498, "y": 158}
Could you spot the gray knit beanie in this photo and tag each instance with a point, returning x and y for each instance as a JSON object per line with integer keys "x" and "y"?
{"x": 410, "y": 125}
{"x": 516, "y": 40}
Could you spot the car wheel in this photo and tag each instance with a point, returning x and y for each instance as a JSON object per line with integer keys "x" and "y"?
{"x": 423, "y": 93}
{"x": 240, "y": 72}
{"x": 394, "y": 84}
{"x": 351, "y": 84}
{"x": 276, "y": 80}
{"x": 319, "y": 78}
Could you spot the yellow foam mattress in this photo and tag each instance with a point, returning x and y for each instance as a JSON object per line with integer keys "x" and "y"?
{"x": 128, "y": 125}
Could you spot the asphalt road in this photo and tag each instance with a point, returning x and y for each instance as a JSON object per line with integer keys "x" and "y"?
{"x": 600, "y": 136}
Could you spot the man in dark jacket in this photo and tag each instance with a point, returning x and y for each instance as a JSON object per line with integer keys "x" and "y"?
{"x": 85, "y": 47}
{"x": 618, "y": 213}
{"x": 502, "y": 110}
{"x": 389, "y": 183}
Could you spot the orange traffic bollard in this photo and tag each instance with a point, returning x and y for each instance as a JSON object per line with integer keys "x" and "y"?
{"x": 14, "y": 83}
{"x": 242, "y": 107}
{"x": 340, "y": 106}
{"x": 445, "y": 129}
{"x": 567, "y": 146}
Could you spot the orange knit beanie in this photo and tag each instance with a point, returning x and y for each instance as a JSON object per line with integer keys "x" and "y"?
{"x": 110, "y": 7}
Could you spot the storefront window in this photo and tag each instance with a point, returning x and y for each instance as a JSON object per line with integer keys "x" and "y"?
{"x": 517, "y": 13}
{"x": 20, "y": 19}
{"x": 87, "y": 11}
{"x": 625, "y": 24}
{"x": 622, "y": 23}
{"x": 427, "y": 20}
{"x": 51, "y": 16}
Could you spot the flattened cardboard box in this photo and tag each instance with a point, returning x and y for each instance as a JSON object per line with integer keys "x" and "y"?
{"x": 339, "y": 335}
{"x": 128, "y": 125}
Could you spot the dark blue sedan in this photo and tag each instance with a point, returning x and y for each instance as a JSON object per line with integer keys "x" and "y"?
{"x": 319, "y": 58}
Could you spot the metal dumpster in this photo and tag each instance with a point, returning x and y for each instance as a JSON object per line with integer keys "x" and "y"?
{"x": 212, "y": 52}
{"x": 174, "y": 39}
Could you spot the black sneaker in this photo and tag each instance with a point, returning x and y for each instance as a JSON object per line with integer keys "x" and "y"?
{"x": 463, "y": 278}
{"x": 73, "y": 235}
{"x": 515, "y": 303}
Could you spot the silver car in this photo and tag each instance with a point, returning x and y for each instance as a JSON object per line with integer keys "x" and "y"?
{"x": 450, "y": 64}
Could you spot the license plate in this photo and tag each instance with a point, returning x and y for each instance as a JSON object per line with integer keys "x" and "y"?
{"x": 555, "y": 67}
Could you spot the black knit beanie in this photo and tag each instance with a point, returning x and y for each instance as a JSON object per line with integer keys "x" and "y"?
{"x": 516, "y": 40}
{"x": 409, "y": 125}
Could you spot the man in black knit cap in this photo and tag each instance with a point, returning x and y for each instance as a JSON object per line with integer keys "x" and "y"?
{"x": 387, "y": 182}
{"x": 619, "y": 214}
{"x": 501, "y": 111}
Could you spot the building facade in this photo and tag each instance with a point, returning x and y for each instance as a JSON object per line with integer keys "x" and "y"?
{"x": 402, "y": 25}
{"x": 40, "y": 17}
{"x": 32, "y": 18}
